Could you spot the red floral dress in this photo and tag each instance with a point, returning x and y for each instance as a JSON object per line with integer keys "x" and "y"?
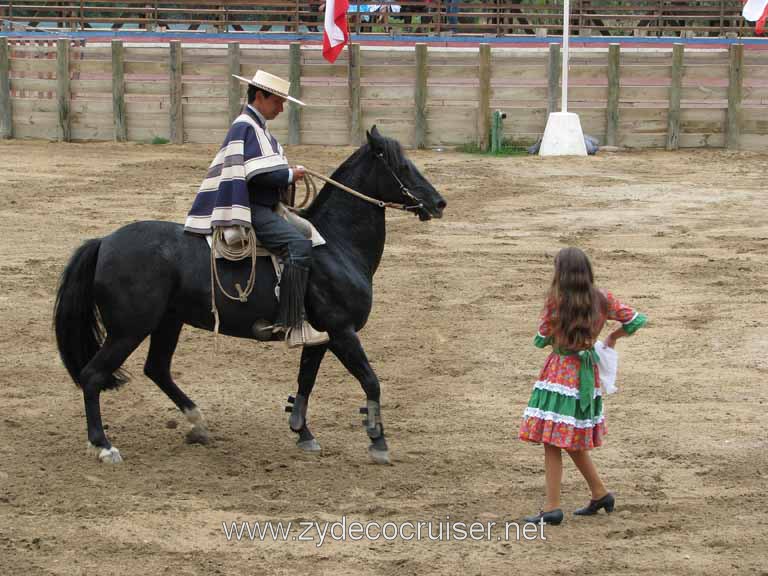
{"x": 554, "y": 414}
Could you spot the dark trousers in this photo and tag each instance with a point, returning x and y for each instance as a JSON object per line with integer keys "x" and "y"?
{"x": 281, "y": 238}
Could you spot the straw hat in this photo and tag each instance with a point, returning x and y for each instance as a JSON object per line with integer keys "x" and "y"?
{"x": 272, "y": 84}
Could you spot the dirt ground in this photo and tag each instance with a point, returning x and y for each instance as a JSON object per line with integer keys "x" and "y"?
{"x": 681, "y": 236}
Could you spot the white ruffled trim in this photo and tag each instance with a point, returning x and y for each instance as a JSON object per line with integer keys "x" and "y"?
{"x": 632, "y": 320}
{"x": 561, "y": 418}
{"x": 562, "y": 390}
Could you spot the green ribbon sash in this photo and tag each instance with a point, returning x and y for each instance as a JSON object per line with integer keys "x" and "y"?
{"x": 586, "y": 374}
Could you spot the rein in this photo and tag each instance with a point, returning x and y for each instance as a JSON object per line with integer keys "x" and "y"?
{"x": 380, "y": 203}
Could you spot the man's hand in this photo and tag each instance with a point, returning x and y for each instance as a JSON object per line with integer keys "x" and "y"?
{"x": 298, "y": 172}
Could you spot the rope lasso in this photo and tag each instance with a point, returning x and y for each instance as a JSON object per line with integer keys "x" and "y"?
{"x": 247, "y": 249}
{"x": 309, "y": 196}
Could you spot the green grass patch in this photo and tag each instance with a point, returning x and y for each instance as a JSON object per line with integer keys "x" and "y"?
{"x": 159, "y": 140}
{"x": 508, "y": 148}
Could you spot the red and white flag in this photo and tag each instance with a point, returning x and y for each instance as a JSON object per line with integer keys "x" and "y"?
{"x": 336, "y": 33}
{"x": 756, "y": 11}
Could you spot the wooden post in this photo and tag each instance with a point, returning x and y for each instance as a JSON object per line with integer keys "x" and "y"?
{"x": 484, "y": 103}
{"x": 553, "y": 77}
{"x": 294, "y": 110}
{"x": 6, "y": 115}
{"x": 118, "y": 92}
{"x": 420, "y": 97}
{"x": 235, "y": 105}
{"x": 356, "y": 111}
{"x": 736, "y": 77}
{"x": 64, "y": 130}
{"x": 675, "y": 88}
{"x": 177, "y": 108}
{"x": 612, "y": 112}
{"x": 497, "y": 132}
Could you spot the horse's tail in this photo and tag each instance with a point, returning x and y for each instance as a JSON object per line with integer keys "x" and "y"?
{"x": 79, "y": 332}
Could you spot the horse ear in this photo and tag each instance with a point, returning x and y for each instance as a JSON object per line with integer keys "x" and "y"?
{"x": 374, "y": 139}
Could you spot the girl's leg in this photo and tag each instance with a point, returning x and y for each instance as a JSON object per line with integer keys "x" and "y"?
{"x": 584, "y": 463}
{"x": 553, "y": 473}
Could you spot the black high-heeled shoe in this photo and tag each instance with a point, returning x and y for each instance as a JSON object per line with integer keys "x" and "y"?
{"x": 553, "y": 517}
{"x": 607, "y": 502}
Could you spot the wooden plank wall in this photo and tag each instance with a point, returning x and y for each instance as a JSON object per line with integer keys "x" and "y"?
{"x": 388, "y": 90}
{"x": 754, "y": 113}
{"x": 325, "y": 89}
{"x": 32, "y": 74}
{"x": 519, "y": 88}
{"x": 517, "y": 82}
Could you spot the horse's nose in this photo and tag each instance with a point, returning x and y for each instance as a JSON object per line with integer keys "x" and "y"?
{"x": 440, "y": 205}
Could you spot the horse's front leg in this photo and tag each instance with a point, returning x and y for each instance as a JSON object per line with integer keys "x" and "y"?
{"x": 311, "y": 357}
{"x": 347, "y": 348}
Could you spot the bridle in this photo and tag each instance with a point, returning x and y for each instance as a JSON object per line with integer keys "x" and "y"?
{"x": 403, "y": 188}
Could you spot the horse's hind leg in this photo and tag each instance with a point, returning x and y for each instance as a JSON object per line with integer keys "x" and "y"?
{"x": 348, "y": 349}
{"x": 97, "y": 376}
{"x": 311, "y": 357}
{"x": 162, "y": 345}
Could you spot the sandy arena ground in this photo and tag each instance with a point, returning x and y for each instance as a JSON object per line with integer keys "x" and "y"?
{"x": 681, "y": 236}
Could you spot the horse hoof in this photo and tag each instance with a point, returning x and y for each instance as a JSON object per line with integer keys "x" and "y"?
{"x": 106, "y": 455}
{"x": 379, "y": 456}
{"x": 312, "y": 445}
{"x": 197, "y": 435}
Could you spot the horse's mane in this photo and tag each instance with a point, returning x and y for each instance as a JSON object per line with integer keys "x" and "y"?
{"x": 393, "y": 155}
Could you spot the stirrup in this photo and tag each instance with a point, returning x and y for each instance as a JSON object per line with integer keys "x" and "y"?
{"x": 305, "y": 336}
{"x": 267, "y": 332}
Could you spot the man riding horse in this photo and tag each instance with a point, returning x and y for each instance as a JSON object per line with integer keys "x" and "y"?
{"x": 243, "y": 186}
{"x": 101, "y": 319}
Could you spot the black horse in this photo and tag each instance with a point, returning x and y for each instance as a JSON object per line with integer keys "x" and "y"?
{"x": 151, "y": 278}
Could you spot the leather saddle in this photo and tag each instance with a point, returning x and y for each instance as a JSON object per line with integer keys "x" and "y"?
{"x": 235, "y": 236}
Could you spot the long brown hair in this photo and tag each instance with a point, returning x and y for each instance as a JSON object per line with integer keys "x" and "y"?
{"x": 578, "y": 303}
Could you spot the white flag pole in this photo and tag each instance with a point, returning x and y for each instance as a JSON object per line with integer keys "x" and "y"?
{"x": 566, "y": 35}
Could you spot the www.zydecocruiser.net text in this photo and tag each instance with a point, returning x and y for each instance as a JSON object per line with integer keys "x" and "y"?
{"x": 346, "y": 530}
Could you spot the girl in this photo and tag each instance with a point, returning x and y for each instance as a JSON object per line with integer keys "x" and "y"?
{"x": 566, "y": 410}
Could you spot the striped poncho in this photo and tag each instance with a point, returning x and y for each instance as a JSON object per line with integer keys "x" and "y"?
{"x": 222, "y": 200}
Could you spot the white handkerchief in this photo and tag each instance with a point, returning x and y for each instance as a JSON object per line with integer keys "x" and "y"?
{"x": 608, "y": 365}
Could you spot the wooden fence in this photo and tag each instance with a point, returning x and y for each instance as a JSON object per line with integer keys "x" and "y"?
{"x": 423, "y": 97}
{"x": 426, "y": 17}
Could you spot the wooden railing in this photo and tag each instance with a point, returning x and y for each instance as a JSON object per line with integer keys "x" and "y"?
{"x": 404, "y": 17}
{"x": 73, "y": 89}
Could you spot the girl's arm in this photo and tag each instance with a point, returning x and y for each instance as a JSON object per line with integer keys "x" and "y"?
{"x": 610, "y": 340}
{"x": 630, "y": 319}
{"x": 544, "y": 335}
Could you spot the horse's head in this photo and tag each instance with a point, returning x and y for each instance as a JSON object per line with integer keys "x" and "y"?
{"x": 399, "y": 181}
